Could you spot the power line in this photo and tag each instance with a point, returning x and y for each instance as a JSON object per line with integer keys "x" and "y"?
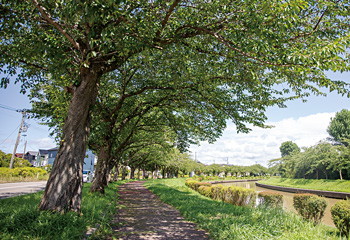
{"x": 10, "y": 134}
{"x": 8, "y": 108}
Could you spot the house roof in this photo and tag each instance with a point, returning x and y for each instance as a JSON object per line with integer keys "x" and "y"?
{"x": 32, "y": 153}
{"x": 43, "y": 151}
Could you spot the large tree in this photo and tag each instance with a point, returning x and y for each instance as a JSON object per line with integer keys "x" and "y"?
{"x": 288, "y": 148}
{"x": 275, "y": 41}
{"x": 339, "y": 127}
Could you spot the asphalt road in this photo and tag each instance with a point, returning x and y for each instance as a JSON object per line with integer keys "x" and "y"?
{"x": 15, "y": 189}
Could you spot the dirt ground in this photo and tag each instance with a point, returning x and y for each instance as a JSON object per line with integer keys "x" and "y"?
{"x": 143, "y": 216}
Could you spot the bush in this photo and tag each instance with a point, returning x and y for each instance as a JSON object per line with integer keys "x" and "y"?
{"x": 341, "y": 216}
{"x": 198, "y": 184}
{"x": 216, "y": 192}
{"x": 270, "y": 199}
{"x": 205, "y": 190}
{"x": 191, "y": 183}
{"x": 22, "y": 172}
{"x": 310, "y": 206}
{"x": 238, "y": 196}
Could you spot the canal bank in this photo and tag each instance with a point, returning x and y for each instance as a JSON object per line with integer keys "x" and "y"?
{"x": 329, "y": 194}
{"x": 287, "y": 198}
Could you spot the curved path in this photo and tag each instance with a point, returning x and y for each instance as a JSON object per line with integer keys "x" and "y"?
{"x": 143, "y": 216}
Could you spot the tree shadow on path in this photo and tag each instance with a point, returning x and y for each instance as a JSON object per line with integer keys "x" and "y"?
{"x": 143, "y": 216}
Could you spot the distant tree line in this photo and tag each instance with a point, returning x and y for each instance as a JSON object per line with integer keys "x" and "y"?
{"x": 328, "y": 159}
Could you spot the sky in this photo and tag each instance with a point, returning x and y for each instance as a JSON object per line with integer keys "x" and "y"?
{"x": 303, "y": 123}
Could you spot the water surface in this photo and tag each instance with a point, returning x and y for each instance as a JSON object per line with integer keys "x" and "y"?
{"x": 287, "y": 199}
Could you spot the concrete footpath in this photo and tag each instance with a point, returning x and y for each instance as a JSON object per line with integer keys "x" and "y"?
{"x": 143, "y": 216}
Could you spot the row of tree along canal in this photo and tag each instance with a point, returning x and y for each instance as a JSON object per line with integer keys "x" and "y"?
{"x": 287, "y": 199}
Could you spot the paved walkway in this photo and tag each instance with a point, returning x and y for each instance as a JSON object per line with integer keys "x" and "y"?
{"x": 143, "y": 216}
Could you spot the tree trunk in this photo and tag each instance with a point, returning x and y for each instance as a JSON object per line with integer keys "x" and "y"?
{"x": 63, "y": 190}
{"x": 132, "y": 173}
{"x": 100, "y": 180}
{"x": 124, "y": 173}
{"x": 138, "y": 173}
{"x": 341, "y": 175}
{"x": 116, "y": 173}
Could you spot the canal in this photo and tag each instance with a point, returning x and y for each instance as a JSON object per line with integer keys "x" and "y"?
{"x": 287, "y": 199}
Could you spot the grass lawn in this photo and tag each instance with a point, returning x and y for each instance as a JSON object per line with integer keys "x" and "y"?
{"x": 225, "y": 221}
{"x": 321, "y": 184}
{"x": 20, "y": 219}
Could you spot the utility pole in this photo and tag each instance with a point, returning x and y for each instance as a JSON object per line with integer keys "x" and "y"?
{"x": 25, "y": 146}
{"x": 18, "y": 137}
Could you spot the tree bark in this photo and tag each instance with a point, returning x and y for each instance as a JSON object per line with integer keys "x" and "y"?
{"x": 341, "y": 175}
{"x": 124, "y": 173}
{"x": 138, "y": 173}
{"x": 100, "y": 180}
{"x": 63, "y": 190}
{"x": 132, "y": 173}
{"x": 116, "y": 173}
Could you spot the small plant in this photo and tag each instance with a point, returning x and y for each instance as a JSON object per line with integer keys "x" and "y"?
{"x": 341, "y": 216}
{"x": 191, "y": 183}
{"x": 216, "y": 192}
{"x": 270, "y": 199}
{"x": 310, "y": 206}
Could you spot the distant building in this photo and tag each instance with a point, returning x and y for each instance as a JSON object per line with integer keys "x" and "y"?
{"x": 42, "y": 158}
{"x": 48, "y": 157}
{"x": 31, "y": 157}
{"x": 19, "y": 155}
{"x": 52, "y": 155}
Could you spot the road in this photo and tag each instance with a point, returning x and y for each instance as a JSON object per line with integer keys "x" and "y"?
{"x": 15, "y": 189}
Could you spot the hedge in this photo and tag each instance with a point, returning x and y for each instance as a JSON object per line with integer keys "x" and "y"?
{"x": 341, "y": 216}
{"x": 21, "y": 172}
{"x": 270, "y": 199}
{"x": 310, "y": 206}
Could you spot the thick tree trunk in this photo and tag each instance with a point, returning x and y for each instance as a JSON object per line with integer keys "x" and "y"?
{"x": 100, "y": 180}
{"x": 138, "y": 173}
{"x": 63, "y": 190}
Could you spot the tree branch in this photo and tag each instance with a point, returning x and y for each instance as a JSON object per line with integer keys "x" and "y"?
{"x": 56, "y": 25}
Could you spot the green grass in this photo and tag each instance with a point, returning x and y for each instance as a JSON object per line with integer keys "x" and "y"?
{"x": 225, "y": 221}
{"x": 20, "y": 219}
{"x": 321, "y": 184}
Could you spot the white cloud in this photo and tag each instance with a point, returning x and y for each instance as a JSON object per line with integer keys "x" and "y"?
{"x": 262, "y": 145}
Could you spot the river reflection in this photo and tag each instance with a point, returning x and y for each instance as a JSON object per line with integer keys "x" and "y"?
{"x": 287, "y": 199}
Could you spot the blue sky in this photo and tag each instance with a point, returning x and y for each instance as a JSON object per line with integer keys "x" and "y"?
{"x": 303, "y": 123}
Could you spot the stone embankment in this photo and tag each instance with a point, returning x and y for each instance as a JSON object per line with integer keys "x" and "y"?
{"x": 330, "y": 194}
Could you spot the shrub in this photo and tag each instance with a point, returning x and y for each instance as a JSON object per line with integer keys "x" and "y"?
{"x": 191, "y": 183}
{"x": 239, "y": 196}
{"x": 310, "y": 206}
{"x": 341, "y": 216}
{"x": 22, "y": 172}
{"x": 205, "y": 190}
{"x": 216, "y": 192}
{"x": 270, "y": 199}
{"x": 198, "y": 184}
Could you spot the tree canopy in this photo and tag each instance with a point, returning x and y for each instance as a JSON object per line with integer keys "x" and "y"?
{"x": 339, "y": 127}
{"x": 288, "y": 148}
{"x": 247, "y": 48}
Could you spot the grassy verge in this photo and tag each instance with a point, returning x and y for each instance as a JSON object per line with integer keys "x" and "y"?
{"x": 23, "y": 179}
{"x": 20, "y": 219}
{"x": 225, "y": 221}
{"x": 321, "y": 184}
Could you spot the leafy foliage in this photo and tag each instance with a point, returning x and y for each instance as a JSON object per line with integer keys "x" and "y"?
{"x": 270, "y": 199}
{"x": 288, "y": 148}
{"x": 310, "y": 206}
{"x": 339, "y": 127}
{"x": 341, "y": 216}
